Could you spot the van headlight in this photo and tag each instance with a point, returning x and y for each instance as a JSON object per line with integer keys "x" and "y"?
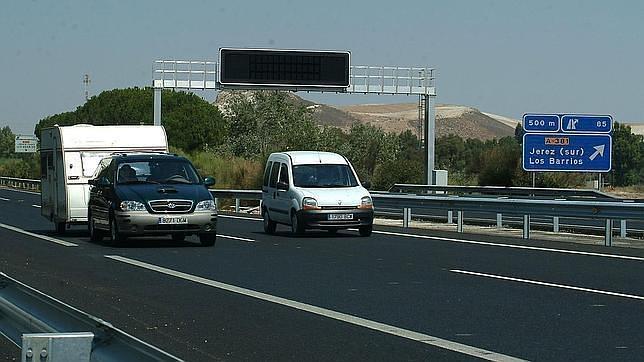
{"x": 132, "y": 206}
{"x": 366, "y": 202}
{"x": 309, "y": 203}
{"x": 206, "y": 205}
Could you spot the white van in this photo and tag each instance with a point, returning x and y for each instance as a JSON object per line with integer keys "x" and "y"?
{"x": 69, "y": 156}
{"x": 314, "y": 190}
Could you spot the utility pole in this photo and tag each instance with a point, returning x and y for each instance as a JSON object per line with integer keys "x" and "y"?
{"x": 86, "y": 82}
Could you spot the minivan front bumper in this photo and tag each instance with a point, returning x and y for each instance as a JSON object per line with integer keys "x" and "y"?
{"x": 320, "y": 219}
{"x": 143, "y": 223}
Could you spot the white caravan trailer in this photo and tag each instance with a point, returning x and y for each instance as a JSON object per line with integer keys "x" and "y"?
{"x": 69, "y": 156}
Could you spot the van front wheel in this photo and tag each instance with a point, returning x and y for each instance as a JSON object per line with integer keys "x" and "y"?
{"x": 296, "y": 225}
{"x": 365, "y": 230}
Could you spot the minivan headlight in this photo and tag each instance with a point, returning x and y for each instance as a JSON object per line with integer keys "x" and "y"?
{"x": 206, "y": 205}
{"x": 132, "y": 206}
{"x": 366, "y": 202}
{"x": 309, "y": 203}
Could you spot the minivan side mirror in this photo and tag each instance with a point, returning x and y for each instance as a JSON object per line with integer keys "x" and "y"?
{"x": 103, "y": 182}
{"x": 366, "y": 185}
{"x": 208, "y": 181}
{"x": 282, "y": 186}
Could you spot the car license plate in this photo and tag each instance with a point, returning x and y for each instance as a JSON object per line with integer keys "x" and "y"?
{"x": 173, "y": 220}
{"x": 340, "y": 216}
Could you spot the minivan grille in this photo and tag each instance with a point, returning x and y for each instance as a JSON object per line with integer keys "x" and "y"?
{"x": 171, "y": 206}
{"x": 338, "y": 207}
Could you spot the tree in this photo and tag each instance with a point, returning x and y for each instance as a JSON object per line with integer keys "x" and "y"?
{"x": 499, "y": 163}
{"x": 190, "y": 122}
{"x": 628, "y": 156}
{"x": 258, "y": 123}
{"x": 7, "y": 142}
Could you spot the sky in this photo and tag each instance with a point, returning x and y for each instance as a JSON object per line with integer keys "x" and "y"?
{"x": 502, "y": 57}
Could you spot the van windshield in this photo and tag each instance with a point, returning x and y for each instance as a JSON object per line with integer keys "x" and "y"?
{"x": 157, "y": 171}
{"x": 323, "y": 176}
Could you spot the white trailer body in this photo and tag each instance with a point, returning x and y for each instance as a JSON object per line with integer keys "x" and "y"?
{"x": 69, "y": 156}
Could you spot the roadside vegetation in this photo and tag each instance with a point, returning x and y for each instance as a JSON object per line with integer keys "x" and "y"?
{"x": 232, "y": 144}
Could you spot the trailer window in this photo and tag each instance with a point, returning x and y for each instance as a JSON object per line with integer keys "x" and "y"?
{"x": 46, "y": 162}
{"x": 90, "y": 160}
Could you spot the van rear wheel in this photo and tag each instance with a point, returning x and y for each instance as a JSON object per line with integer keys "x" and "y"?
{"x": 269, "y": 225}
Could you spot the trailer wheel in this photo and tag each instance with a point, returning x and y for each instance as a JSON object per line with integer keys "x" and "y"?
{"x": 61, "y": 227}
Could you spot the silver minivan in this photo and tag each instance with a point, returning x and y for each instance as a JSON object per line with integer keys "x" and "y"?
{"x": 314, "y": 190}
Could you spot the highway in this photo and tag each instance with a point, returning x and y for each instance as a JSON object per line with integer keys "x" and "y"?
{"x": 397, "y": 295}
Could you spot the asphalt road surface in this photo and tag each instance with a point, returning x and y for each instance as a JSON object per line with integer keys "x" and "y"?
{"x": 397, "y": 295}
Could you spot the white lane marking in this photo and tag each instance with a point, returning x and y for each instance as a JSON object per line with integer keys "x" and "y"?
{"x": 37, "y": 206}
{"x": 464, "y": 241}
{"x": 485, "y": 243}
{"x": 553, "y": 285}
{"x": 235, "y": 238}
{"x": 381, "y": 327}
{"x": 17, "y": 190}
{"x": 4, "y": 199}
{"x": 43, "y": 237}
{"x": 240, "y": 217}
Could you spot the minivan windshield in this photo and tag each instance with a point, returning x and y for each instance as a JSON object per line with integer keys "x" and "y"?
{"x": 157, "y": 171}
{"x": 323, "y": 176}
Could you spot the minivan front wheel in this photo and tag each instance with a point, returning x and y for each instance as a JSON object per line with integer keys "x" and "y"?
{"x": 296, "y": 225}
{"x": 269, "y": 225}
{"x": 115, "y": 235}
{"x": 94, "y": 235}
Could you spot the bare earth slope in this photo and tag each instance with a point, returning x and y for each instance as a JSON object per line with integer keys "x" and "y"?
{"x": 466, "y": 122}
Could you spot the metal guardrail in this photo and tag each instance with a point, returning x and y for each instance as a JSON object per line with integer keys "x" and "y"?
{"x": 591, "y": 209}
{"x": 595, "y": 205}
{"x": 25, "y": 310}
{"x": 19, "y": 183}
{"x": 501, "y": 190}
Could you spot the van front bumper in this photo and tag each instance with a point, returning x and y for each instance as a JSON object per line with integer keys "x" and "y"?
{"x": 321, "y": 219}
{"x": 143, "y": 223}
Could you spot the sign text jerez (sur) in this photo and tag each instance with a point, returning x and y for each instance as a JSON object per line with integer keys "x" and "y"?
{"x": 568, "y": 143}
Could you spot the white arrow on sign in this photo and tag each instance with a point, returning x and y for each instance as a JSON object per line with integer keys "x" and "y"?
{"x": 599, "y": 150}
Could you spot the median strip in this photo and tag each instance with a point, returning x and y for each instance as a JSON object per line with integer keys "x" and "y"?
{"x": 347, "y": 318}
{"x": 43, "y": 237}
{"x": 552, "y": 285}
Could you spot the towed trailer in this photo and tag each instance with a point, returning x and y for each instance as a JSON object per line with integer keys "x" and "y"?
{"x": 69, "y": 156}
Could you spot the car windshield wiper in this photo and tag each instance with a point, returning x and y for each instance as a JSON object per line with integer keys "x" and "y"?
{"x": 334, "y": 185}
{"x": 178, "y": 181}
{"x": 138, "y": 182}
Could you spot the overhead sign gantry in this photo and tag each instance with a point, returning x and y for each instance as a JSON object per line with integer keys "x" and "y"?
{"x": 299, "y": 70}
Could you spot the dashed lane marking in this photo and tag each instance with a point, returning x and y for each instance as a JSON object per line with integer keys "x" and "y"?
{"x": 552, "y": 285}
{"x": 42, "y": 237}
{"x": 524, "y": 247}
{"x": 36, "y": 206}
{"x": 347, "y": 318}
{"x": 234, "y": 238}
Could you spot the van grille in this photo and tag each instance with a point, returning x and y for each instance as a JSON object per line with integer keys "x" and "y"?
{"x": 171, "y": 206}
{"x": 338, "y": 207}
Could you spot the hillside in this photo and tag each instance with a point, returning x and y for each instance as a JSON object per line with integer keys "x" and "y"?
{"x": 466, "y": 122}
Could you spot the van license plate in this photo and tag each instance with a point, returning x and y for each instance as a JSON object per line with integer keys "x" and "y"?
{"x": 173, "y": 220}
{"x": 340, "y": 216}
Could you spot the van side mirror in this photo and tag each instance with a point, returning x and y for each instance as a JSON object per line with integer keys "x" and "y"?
{"x": 208, "y": 181}
{"x": 366, "y": 185}
{"x": 92, "y": 182}
{"x": 282, "y": 186}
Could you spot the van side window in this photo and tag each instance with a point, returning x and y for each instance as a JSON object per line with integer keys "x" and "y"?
{"x": 274, "y": 170}
{"x": 284, "y": 173}
{"x": 267, "y": 172}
